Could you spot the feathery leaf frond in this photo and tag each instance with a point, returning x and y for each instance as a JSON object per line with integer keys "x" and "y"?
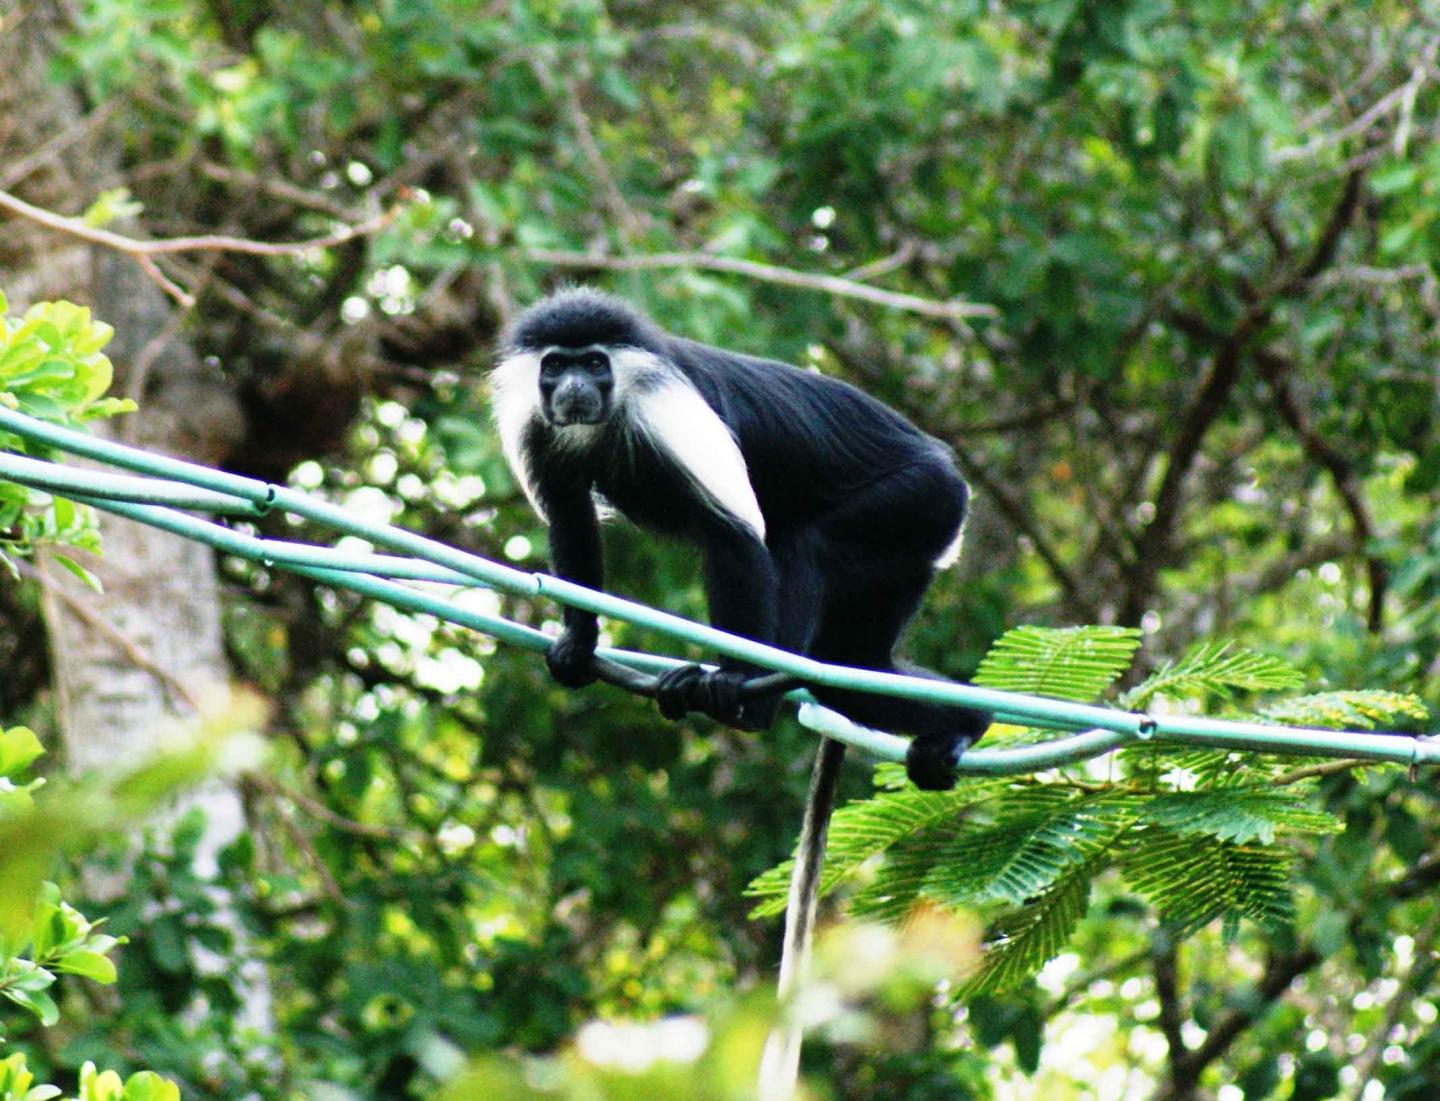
{"x": 1237, "y": 815}
{"x": 1350, "y": 710}
{"x": 1215, "y": 670}
{"x": 862, "y": 829}
{"x": 1070, "y": 663}
{"x": 1193, "y": 879}
{"x": 1022, "y": 856}
{"x": 1026, "y": 939}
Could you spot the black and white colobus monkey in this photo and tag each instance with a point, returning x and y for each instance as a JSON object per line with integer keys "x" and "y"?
{"x": 823, "y": 514}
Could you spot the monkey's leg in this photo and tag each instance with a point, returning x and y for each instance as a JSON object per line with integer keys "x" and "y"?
{"x": 879, "y": 550}
{"x": 859, "y": 627}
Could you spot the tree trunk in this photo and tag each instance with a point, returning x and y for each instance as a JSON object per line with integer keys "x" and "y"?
{"x": 136, "y": 659}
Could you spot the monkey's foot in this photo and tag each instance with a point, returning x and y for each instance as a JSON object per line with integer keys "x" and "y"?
{"x": 758, "y": 712}
{"x": 934, "y": 755}
{"x": 932, "y": 759}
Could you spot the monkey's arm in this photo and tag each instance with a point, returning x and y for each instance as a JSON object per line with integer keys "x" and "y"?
{"x": 575, "y": 555}
{"x": 741, "y": 587}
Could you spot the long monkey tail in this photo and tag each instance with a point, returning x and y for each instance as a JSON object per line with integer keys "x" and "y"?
{"x": 780, "y": 1063}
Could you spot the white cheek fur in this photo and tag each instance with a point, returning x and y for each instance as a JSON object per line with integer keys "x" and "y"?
{"x": 514, "y": 403}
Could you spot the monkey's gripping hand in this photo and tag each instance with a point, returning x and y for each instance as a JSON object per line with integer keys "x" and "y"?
{"x": 571, "y": 660}
{"x": 714, "y": 692}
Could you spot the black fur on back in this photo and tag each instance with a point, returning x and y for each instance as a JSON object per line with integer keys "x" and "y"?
{"x": 579, "y": 316}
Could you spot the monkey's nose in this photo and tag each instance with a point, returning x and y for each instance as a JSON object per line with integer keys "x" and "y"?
{"x": 577, "y": 404}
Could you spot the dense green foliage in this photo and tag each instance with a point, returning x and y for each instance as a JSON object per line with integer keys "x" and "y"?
{"x": 50, "y": 366}
{"x": 1202, "y": 405}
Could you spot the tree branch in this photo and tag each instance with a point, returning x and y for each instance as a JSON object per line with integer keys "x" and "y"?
{"x": 1153, "y": 544}
{"x": 144, "y": 252}
{"x": 1276, "y": 371}
{"x": 1280, "y": 972}
{"x": 953, "y": 309}
{"x": 1164, "y": 962}
{"x": 210, "y": 242}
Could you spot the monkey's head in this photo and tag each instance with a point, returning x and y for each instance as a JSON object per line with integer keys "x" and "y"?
{"x": 582, "y": 339}
{"x": 576, "y": 385}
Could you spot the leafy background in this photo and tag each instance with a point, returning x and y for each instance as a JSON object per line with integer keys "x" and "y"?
{"x": 1204, "y": 409}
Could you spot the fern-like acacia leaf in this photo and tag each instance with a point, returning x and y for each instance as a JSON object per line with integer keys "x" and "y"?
{"x": 1071, "y": 663}
{"x": 1237, "y": 815}
{"x": 1349, "y": 710}
{"x": 1023, "y": 856}
{"x": 1193, "y": 879}
{"x": 865, "y": 828}
{"x": 1215, "y": 670}
{"x": 1024, "y": 940}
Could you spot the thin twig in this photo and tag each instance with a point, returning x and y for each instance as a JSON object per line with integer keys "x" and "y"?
{"x": 1397, "y": 97}
{"x": 1165, "y": 962}
{"x": 20, "y": 169}
{"x": 886, "y": 264}
{"x": 280, "y": 189}
{"x": 953, "y": 309}
{"x": 1311, "y": 772}
{"x": 316, "y": 809}
{"x": 209, "y": 242}
{"x": 1276, "y": 371}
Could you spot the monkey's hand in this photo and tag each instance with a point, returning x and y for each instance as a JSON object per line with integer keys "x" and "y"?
{"x": 675, "y": 690}
{"x": 571, "y": 660}
{"x": 715, "y": 692}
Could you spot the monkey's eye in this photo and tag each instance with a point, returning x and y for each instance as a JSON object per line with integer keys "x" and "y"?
{"x": 596, "y": 363}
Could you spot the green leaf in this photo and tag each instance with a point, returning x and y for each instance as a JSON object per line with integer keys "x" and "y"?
{"x": 86, "y": 576}
{"x": 1070, "y": 663}
{"x": 91, "y": 965}
{"x": 1215, "y": 669}
{"x": 896, "y": 889}
{"x": 1021, "y": 857}
{"x": 1192, "y": 879}
{"x": 48, "y": 927}
{"x": 1234, "y": 815}
{"x": 97, "y": 1085}
{"x": 18, "y": 748}
{"x": 149, "y": 1086}
{"x": 1026, "y": 939}
{"x": 862, "y": 829}
{"x": 37, "y": 1002}
{"x": 1349, "y": 710}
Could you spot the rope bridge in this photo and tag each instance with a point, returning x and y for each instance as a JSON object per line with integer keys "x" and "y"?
{"x": 165, "y": 493}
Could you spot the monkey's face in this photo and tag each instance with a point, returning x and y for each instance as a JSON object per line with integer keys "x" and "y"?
{"x": 576, "y": 386}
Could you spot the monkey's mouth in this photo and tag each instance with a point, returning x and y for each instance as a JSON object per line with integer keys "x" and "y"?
{"x": 572, "y": 417}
